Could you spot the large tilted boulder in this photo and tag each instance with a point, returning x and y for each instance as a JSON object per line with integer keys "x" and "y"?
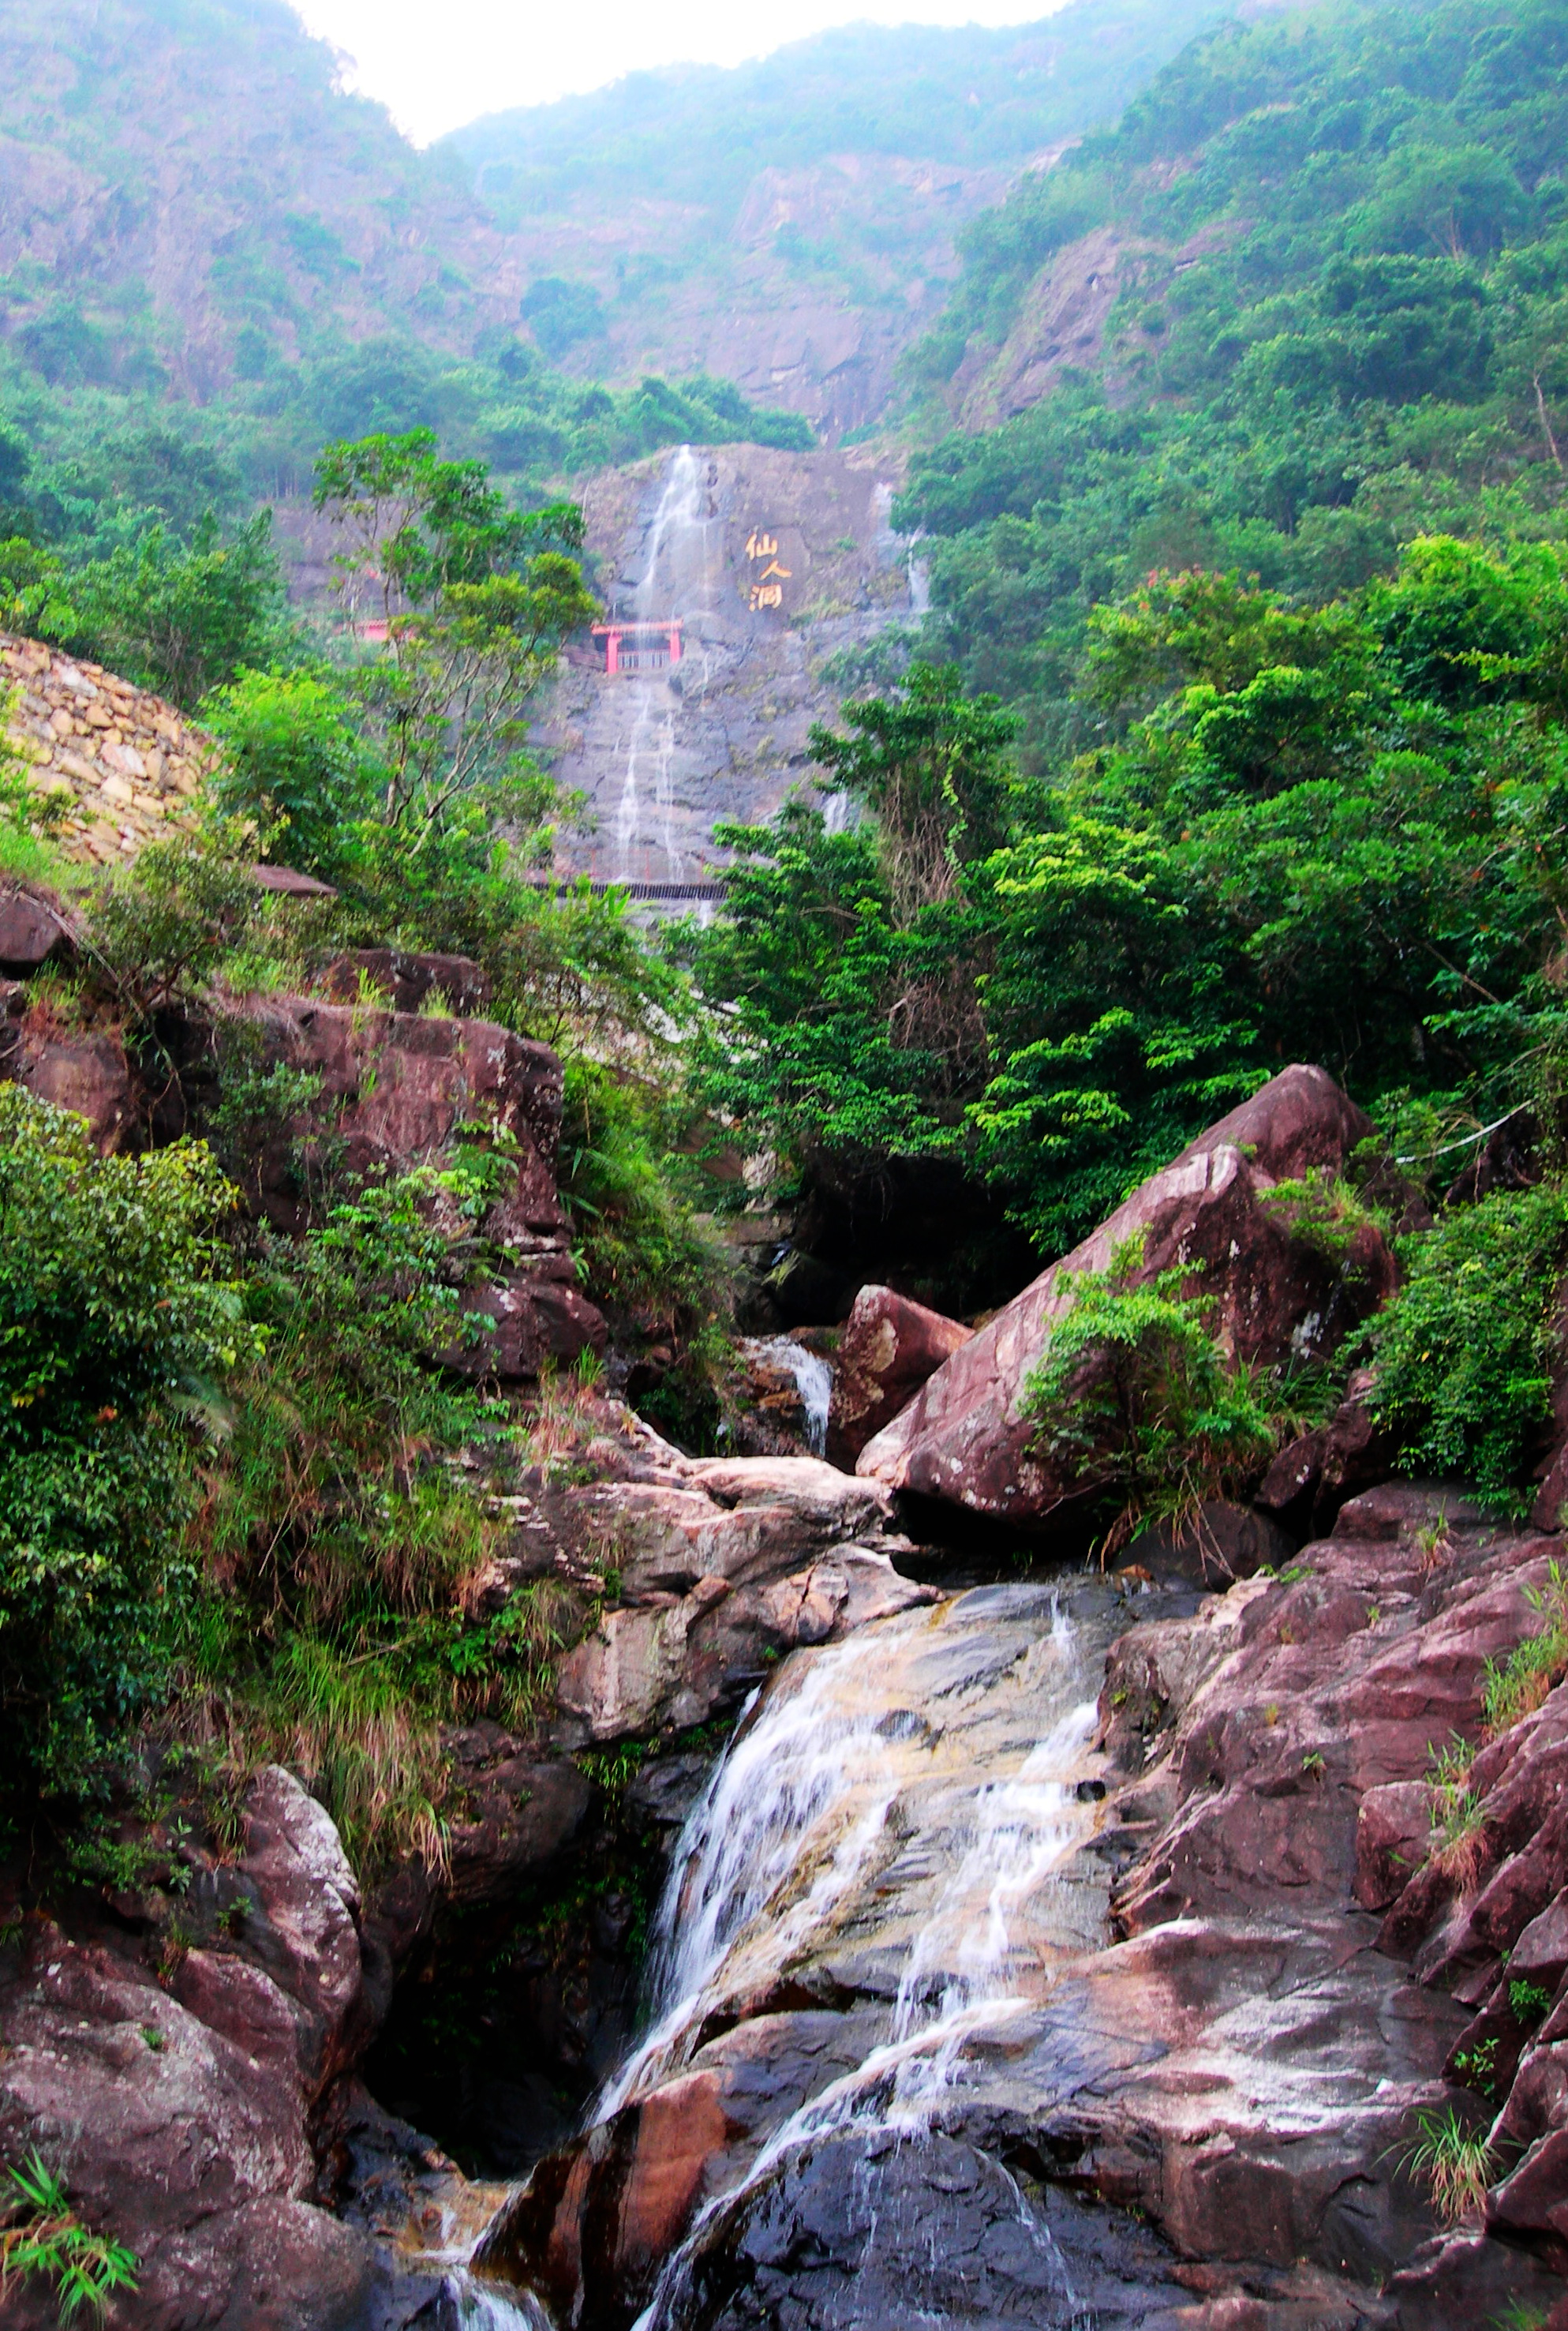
{"x": 966, "y": 1439}
{"x": 888, "y": 1349}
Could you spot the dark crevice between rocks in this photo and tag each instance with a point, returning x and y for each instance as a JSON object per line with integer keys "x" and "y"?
{"x": 512, "y": 2013}
{"x": 920, "y": 1225}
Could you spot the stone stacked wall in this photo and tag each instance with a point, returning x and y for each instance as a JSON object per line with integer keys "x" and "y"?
{"x": 130, "y": 763}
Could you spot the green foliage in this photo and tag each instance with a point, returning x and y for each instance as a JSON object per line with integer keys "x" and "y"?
{"x": 477, "y": 601}
{"x": 846, "y": 963}
{"x": 1464, "y": 1355}
{"x": 1324, "y": 1212}
{"x": 114, "y": 1317}
{"x": 1457, "y": 1825}
{"x": 1368, "y": 349}
{"x": 631, "y": 1196}
{"x": 1136, "y": 1395}
{"x": 33, "y": 591}
{"x": 840, "y": 1026}
{"x": 182, "y": 618}
{"x": 43, "y": 2238}
{"x": 561, "y": 315}
{"x": 154, "y": 938}
{"x": 336, "y": 1536}
{"x": 932, "y": 768}
{"x": 297, "y": 764}
{"x": 1477, "y": 2069}
{"x": 1528, "y": 2002}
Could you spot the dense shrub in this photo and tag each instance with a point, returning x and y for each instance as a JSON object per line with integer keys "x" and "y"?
{"x": 115, "y": 1318}
{"x": 1135, "y": 1393}
{"x": 1464, "y": 1356}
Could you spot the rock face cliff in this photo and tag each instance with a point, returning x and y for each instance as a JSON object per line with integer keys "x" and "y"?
{"x": 183, "y": 2045}
{"x": 1052, "y": 1946}
{"x": 1110, "y": 2000}
{"x": 773, "y": 562}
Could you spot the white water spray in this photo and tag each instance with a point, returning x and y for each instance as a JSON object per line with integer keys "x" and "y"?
{"x": 809, "y": 1789}
{"x": 813, "y": 1381}
{"x": 471, "y": 2304}
{"x": 674, "y": 576}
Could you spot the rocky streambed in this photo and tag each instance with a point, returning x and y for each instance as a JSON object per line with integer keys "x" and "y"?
{"x": 1077, "y": 1954}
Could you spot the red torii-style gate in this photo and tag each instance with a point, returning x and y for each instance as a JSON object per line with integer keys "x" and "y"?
{"x": 640, "y": 647}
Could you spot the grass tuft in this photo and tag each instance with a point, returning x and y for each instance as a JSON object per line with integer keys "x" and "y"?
{"x": 1454, "y": 2163}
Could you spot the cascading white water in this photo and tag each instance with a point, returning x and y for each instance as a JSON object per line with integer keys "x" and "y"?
{"x": 780, "y": 1835}
{"x": 674, "y": 572}
{"x": 795, "y": 1825}
{"x": 897, "y": 1817}
{"x": 470, "y": 2304}
{"x": 813, "y": 1381}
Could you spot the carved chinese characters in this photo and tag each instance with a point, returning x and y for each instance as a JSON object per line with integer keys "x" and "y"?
{"x": 766, "y": 588}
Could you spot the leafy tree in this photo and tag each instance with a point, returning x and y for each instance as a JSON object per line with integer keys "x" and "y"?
{"x": 298, "y": 763}
{"x": 1464, "y": 1359}
{"x": 477, "y": 600}
{"x": 561, "y": 315}
{"x": 183, "y": 619}
{"x": 931, "y": 768}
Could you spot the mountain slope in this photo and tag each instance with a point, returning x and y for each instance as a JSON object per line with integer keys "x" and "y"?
{"x": 1304, "y": 303}
{"x": 185, "y": 191}
{"x": 790, "y": 224}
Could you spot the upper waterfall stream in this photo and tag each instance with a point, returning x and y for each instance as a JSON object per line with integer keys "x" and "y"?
{"x": 677, "y": 580}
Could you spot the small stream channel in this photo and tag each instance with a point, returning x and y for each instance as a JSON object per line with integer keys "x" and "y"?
{"x": 896, "y": 1828}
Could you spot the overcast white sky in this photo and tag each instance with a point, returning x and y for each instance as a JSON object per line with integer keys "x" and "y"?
{"x": 438, "y": 66}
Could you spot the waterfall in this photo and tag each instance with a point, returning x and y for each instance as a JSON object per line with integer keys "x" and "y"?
{"x": 803, "y": 1788}
{"x": 906, "y": 1804}
{"x": 794, "y": 1826}
{"x": 813, "y": 1381}
{"x": 674, "y": 573}
{"x": 787, "y": 1829}
{"x": 468, "y": 2303}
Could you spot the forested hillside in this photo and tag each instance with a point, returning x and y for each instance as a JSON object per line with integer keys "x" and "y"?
{"x": 791, "y": 222}
{"x": 1339, "y": 249}
{"x": 214, "y": 260}
{"x": 1117, "y": 1105}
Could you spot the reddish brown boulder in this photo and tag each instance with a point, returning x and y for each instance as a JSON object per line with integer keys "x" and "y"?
{"x": 396, "y": 1084}
{"x": 1312, "y": 1478}
{"x": 888, "y": 1349}
{"x": 84, "y": 1072}
{"x": 532, "y": 1320}
{"x": 181, "y": 2109}
{"x": 288, "y": 882}
{"x": 1393, "y": 1837}
{"x": 31, "y": 930}
{"x": 1219, "y": 1543}
{"x": 965, "y": 1440}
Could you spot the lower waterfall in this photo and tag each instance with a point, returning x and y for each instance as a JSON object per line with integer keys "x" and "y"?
{"x": 894, "y": 1830}
{"x": 809, "y": 1788}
